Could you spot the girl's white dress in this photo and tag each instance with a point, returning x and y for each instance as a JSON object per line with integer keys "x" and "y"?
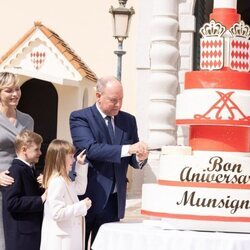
{"x": 63, "y": 225}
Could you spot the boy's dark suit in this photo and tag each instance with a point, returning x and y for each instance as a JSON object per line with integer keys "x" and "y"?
{"x": 22, "y": 209}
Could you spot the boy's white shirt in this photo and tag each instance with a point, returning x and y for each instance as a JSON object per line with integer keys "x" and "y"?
{"x": 24, "y": 161}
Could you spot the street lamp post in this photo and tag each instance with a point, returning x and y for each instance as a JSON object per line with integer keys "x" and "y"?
{"x": 121, "y": 22}
{"x": 120, "y": 52}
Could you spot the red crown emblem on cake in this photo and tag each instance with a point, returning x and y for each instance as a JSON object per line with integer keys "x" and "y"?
{"x": 225, "y": 48}
{"x": 221, "y": 87}
{"x": 200, "y": 191}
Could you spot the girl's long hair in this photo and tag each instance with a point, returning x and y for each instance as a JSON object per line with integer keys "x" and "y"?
{"x": 55, "y": 160}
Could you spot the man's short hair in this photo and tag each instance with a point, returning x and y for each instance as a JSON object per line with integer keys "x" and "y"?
{"x": 102, "y": 82}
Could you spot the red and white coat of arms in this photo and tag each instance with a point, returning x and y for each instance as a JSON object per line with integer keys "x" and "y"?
{"x": 38, "y": 58}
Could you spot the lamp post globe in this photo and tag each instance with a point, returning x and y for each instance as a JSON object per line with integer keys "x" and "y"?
{"x": 121, "y": 22}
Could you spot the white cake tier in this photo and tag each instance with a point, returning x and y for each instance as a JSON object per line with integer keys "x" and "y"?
{"x": 176, "y": 150}
{"x": 205, "y": 169}
{"x": 198, "y": 208}
{"x": 225, "y": 4}
{"x": 205, "y": 191}
{"x": 221, "y": 153}
{"x": 213, "y": 106}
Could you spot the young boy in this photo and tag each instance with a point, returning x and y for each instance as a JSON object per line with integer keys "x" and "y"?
{"x": 23, "y": 200}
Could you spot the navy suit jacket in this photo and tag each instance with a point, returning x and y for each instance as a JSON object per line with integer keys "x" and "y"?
{"x": 22, "y": 209}
{"x": 89, "y": 131}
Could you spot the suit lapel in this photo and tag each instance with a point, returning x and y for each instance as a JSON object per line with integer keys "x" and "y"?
{"x": 118, "y": 130}
{"x": 8, "y": 126}
{"x": 103, "y": 127}
{"x": 21, "y": 164}
{"x": 100, "y": 122}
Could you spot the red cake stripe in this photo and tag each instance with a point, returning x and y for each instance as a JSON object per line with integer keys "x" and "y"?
{"x": 195, "y": 217}
{"x": 225, "y": 16}
{"x": 203, "y": 185}
{"x": 219, "y": 138}
{"x": 194, "y": 121}
{"x": 217, "y": 79}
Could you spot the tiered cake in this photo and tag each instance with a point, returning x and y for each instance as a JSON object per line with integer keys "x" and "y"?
{"x": 206, "y": 185}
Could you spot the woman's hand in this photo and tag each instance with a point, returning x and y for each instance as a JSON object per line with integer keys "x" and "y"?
{"x": 5, "y": 179}
{"x": 81, "y": 157}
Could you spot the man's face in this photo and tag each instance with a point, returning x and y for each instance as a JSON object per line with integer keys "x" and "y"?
{"x": 32, "y": 153}
{"x": 110, "y": 100}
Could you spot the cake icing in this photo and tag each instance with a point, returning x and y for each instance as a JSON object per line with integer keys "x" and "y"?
{"x": 206, "y": 185}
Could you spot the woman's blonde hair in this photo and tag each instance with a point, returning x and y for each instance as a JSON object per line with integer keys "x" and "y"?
{"x": 8, "y": 79}
{"x": 55, "y": 160}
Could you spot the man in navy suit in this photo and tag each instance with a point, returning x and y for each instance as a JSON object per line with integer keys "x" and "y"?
{"x": 111, "y": 142}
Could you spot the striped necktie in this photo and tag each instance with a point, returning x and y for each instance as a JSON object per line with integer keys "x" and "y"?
{"x": 112, "y": 136}
{"x": 110, "y": 129}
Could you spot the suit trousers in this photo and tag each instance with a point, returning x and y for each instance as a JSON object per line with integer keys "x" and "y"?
{"x": 94, "y": 221}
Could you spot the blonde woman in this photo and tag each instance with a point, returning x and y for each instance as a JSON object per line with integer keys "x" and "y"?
{"x": 63, "y": 223}
{"x": 12, "y": 121}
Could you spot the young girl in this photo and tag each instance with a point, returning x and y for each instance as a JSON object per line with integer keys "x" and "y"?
{"x": 63, "y": 222}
